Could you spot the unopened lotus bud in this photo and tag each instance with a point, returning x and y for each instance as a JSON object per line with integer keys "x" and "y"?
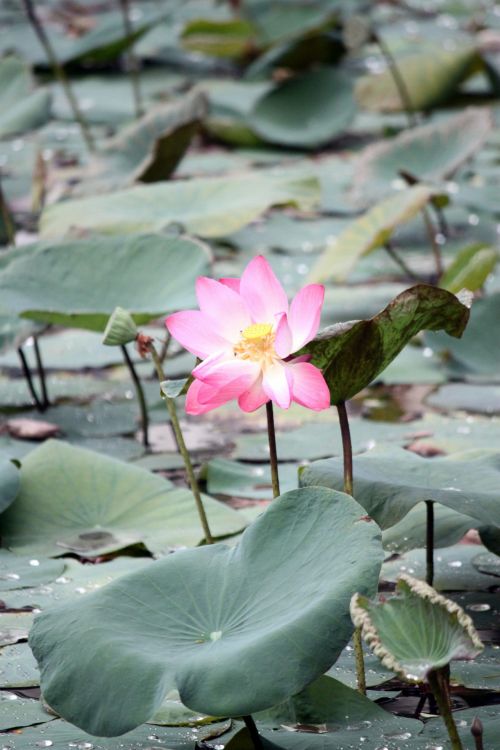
{"x": 120, "y": 329}
{"x": 476, "y": 730}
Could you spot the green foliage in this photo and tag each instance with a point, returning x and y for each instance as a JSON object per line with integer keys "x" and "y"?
{"x": 219, "y": 621}
{"x": 351, "y": 355}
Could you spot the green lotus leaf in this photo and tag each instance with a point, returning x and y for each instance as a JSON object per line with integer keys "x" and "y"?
{"x": 75, "y": 500}
{"x": 433, "y": 151}
{"x": 351, "y": 355}
{"x": 371, "y": 230}
{"x": 21, "y": 108}
{"x": 20, "y": 712}
{"x": 206, "y": 206}
{"x": 390, "y": 481}
{"x": 231, "y": 38}
{"x": 234, "y": 630}
{"x": 470, "y": 268}
{"x": 24, "y": 572}
{"x": 79, "y": 283}
{"x": 306, "y": 111}
{"x": 416, "y": 631}
{"x": 431, "y": 75}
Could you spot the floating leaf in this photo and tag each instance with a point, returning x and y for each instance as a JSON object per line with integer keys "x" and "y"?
{"x": 390, "y": 481}
{"x": 306, "y": 111}
{"x": 58, "y": 283}
{"x": 352, "y": 354}
{"x": 454, "y": 569}
{"x": 21, "y": 108}
{"x": 430, "y": 75}
{"x": 483, "y": 399}
{"x": 20, "y": 712}
{"x": 417, "y": 631}
{"x": 370, "y": 231}
{"x": 108, "y": 505}
{"x": 24, "y": 572}
{"x": 411, "y": 531}
{"x": 206, "y": 206}
{"x": 433, "y": 151}
{"x": 219, "y": 621}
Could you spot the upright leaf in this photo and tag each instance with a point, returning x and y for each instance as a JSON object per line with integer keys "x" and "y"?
{"x": 351, "y": 355}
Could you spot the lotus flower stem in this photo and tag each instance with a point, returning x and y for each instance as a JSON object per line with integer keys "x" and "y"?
{"x": 41, "y": 374}
{"x": 429, "y": 546}
{"x": 273, "y": 455}
{"x": 438, "y": 682}
{"x": 59, "y": 73}
{"x": 141, "y": 398}
{"x": 253, "y": 732}
{"x": 132, "y": 59}
{"x": 477, "y": 732}
{"x": 399, "y": 81}
{"x": 174, "y": 420}
{"x": 29, "y": 379}
{"x": 348, "y": 489}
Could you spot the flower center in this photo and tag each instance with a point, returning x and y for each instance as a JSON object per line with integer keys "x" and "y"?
{"x": 256, "y": 344}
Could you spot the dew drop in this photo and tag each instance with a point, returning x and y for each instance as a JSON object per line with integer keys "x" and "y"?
{"x": 44, "y": 743}
{"x": 35, "y": 563}
{"x": 478, "y": 607}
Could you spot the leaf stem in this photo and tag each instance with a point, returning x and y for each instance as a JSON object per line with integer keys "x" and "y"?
{"x": 273, "y": 455}
{"x": 398, "y": 79}
{"x": 253, "y": 732}
{"x": 132, "y": 59}
{"x": 29, "y": 379}
{"x": 438, "y": 681}
{"x": 400, "y": 262}
{"x": 59, "y": 73}
{"x": 348, "y": 489}
{"x": 429, "y": 546}
{"x": 141, "y": 398}
{"x": 41, "y": 373}
{"x": 174, "y": 419}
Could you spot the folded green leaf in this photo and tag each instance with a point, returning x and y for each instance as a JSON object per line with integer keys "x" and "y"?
{"x": 351, "y": 355}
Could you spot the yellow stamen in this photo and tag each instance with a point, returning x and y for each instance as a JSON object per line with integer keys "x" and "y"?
{"x": 257, "y": 344}
{"x": 257, "y": 331}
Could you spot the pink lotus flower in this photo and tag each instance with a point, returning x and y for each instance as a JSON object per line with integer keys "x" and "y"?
{"x": 245, "y": 332}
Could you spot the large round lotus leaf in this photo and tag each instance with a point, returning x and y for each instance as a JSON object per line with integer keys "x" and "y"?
{"x": 9, "y": 483}
{"x": 415, "y": 631}
{"x": 390, "y": 481}
{"x": 234, "y": 630}
{"x": 74, "y": 500}
{"x": 79, "y": 283}
{"x": 306, "y": 111}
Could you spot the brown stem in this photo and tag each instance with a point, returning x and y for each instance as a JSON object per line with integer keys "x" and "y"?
{"x": 429, "y": 546}
{"x": 273, "y": 455}
{"x": 29, "y": 379}
{"x": 438, "y": 681}
{"x": 132, "y": 59}
{"x": 41, "y": 373}
{"x": 59, "y": 73}
{"x": 399, "y": 81}
{"x": 398, "y": 259}
{"x": 174, "y": 419}
{"x": 10, "y": 231}
{"x": 348, "y": 489}
{"x": 141, "y": 398}
{"x": 253, "y": 732}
